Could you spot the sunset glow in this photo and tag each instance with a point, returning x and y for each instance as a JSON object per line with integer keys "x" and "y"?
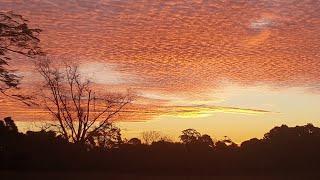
{"x": 235, "y": 68}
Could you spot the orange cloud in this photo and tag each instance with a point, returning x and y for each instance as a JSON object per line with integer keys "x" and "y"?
{"x": 185, "y": 47}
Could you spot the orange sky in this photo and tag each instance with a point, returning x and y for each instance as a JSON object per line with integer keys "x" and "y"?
{"x": 228, "y": 67}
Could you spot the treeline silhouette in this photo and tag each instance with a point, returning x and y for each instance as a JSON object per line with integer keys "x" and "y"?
{"x": 282, "y": 150}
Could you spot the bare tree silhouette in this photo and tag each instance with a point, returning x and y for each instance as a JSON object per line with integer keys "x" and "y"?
{"x": 80, "y": 113}
{"x": 149, "y": 137}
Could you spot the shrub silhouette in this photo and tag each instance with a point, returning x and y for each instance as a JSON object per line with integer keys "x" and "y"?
{"x": 282, "y": 150}
{"x": 134, "y": 141}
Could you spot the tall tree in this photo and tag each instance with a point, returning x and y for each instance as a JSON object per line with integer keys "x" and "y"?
{"x": 190, "y": 136}
{"x": 16, "y": 39}
{"x": 107, "y": 138}
{"x": 80, "y": 112}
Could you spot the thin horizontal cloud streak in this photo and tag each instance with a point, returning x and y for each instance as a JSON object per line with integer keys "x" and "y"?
{"x": 199, "y": 111}
{"x": 138, "y": 112}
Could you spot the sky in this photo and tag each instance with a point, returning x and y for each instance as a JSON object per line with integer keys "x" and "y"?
{"x": 232, "y": 68}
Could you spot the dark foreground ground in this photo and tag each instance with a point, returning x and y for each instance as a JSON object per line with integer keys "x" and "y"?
{"x": 101, "y": 176}
{"x": 284, "y": 153}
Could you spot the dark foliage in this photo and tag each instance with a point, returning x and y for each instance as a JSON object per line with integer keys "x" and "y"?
{"x": 283, "y": 150}
{"x": 16, "y": 39}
